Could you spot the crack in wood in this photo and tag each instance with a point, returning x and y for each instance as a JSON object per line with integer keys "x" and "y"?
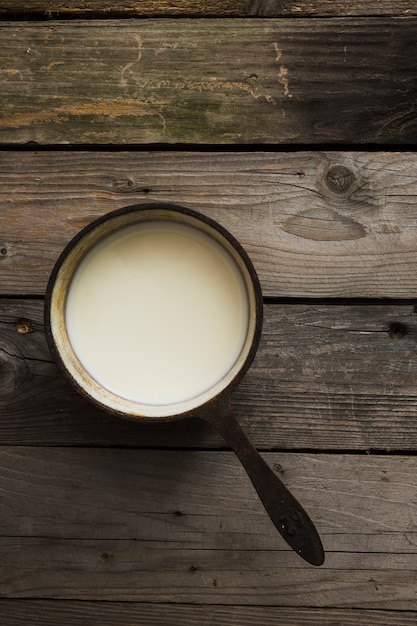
{"x": 24, "y": 358}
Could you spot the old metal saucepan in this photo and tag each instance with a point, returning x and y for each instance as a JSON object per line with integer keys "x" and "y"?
{"x": 104, "y": 284}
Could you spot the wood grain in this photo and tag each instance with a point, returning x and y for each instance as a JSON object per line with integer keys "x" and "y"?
{"x": 203, "y": 500}
{"x": 325, "y": 377}
{"x": 186, "y": 527}
{"x": 316, "y": 224}
{"x": 119, "y": 8}
{"x": 80, "y": 613}
{"x": 209, "y": 81}
{"x": 162, "y": 525}
{"x": 265, "y": 8}
{"x": 270, "y": 8}
{"x": 133, "y": 571}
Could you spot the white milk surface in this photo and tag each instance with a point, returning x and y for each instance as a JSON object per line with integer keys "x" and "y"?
{"x": 157, "y": 313}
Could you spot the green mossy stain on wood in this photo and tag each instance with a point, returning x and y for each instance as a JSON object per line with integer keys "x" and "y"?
{"x": 208, "y": 81}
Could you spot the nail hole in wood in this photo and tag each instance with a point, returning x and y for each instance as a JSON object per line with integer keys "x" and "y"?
{"x": 396, "y": 330}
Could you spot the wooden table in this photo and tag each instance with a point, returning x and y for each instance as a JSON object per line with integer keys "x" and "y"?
{"x": 294, "y": 125}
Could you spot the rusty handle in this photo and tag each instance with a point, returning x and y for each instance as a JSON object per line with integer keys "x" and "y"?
{"x": 285, "y": 511}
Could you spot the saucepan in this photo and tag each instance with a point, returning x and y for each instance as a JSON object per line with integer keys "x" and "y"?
{"x": 154, "y": 313}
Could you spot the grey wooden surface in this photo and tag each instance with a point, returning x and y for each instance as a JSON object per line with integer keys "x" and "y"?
{"x": 326, "y": 377}
{"x": 316, "y": 223}
{"x": 205, "y": 81}
{"x": 293, "y": 125}
{"x": 76, "y": 613}
{"x": 204, "y": 8}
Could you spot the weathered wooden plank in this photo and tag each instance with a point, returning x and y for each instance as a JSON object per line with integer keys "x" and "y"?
{"x": 151, "y": 572}
{"x": 270, "y": 8}
{"x": 209, "y": 81}
{"x": 98, "y": 8}
{"x": 325, "y": 377}
{"x": 314, "y": 223}
{"x": 264, "y": 8}
{"x": 72, "y": 613}
{"x": 204, "y": 500}
{"x": 183, "y": 527}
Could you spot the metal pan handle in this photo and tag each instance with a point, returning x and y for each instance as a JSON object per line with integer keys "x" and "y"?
{"x": 287, "y": 514}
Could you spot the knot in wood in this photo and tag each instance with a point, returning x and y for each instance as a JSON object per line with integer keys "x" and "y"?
{"x": 397, "y": 330}
{"x": 339, "y": 179}
{"x": 24, "y": 326}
